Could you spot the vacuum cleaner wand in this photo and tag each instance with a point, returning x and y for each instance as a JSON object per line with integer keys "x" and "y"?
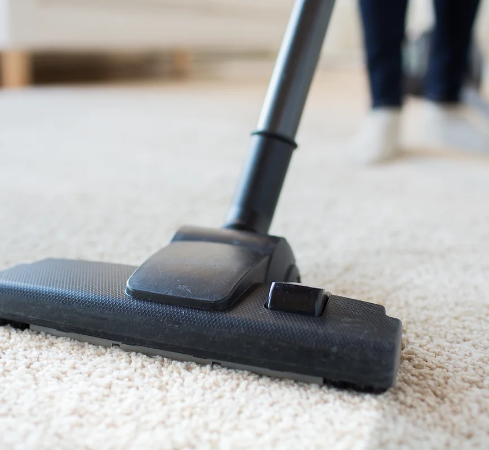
{"x": 232, "y": 295}
{"x": 274, "y": 140}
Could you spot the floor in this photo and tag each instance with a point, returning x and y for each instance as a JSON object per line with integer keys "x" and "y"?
{"x": 110, "y": 172}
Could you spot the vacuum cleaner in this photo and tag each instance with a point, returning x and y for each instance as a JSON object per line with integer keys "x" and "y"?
{"x": 230, "y": 296}
{"x": 416, "y": 55}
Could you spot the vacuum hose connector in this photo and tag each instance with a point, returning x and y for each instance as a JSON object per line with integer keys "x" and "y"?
{"x": 259, "y": 188}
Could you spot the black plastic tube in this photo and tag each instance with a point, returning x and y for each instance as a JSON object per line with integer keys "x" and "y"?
{"x": 272, "y": 145}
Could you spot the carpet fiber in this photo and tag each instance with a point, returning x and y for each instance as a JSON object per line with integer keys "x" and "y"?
{"x": 109, "y": 173}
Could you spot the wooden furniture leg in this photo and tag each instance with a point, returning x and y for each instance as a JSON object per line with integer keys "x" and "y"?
{"x": 182, "y": 62}
{"x": 16, "y": 68}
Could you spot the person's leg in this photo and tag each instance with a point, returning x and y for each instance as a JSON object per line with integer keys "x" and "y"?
{"x": 383, "y": 31}
{"x": 383, "y": 24}
{"x": 447, "y": 122}
{"x": 450, "y": 49}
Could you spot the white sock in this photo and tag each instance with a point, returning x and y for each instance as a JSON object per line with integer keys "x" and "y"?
{"x": 454, "y": 126}
{"x": 378, "y": 138}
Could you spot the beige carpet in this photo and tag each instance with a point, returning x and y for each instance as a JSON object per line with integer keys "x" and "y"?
{"x": 110, "y": 173}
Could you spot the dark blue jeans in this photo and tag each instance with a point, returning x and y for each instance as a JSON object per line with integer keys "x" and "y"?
{"x": 384, "y": 29}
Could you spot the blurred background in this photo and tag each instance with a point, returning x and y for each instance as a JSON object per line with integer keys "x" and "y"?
{"x": 81, "y": 41}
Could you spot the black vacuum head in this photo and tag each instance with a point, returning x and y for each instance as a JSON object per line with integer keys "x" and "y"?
{"x": 281, "y": 329}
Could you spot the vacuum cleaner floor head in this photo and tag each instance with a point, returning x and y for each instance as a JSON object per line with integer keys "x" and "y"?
{"x": 352, "y": 343}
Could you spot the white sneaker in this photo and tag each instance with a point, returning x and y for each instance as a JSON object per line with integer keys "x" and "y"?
{"x": 454, "y": 127}
{"x": 378, "y": 138}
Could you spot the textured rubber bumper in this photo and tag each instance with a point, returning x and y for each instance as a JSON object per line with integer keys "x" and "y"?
{"x": 353, "y": 343}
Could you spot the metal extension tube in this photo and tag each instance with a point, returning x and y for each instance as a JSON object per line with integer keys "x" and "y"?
{"x": 272, "y": 144}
